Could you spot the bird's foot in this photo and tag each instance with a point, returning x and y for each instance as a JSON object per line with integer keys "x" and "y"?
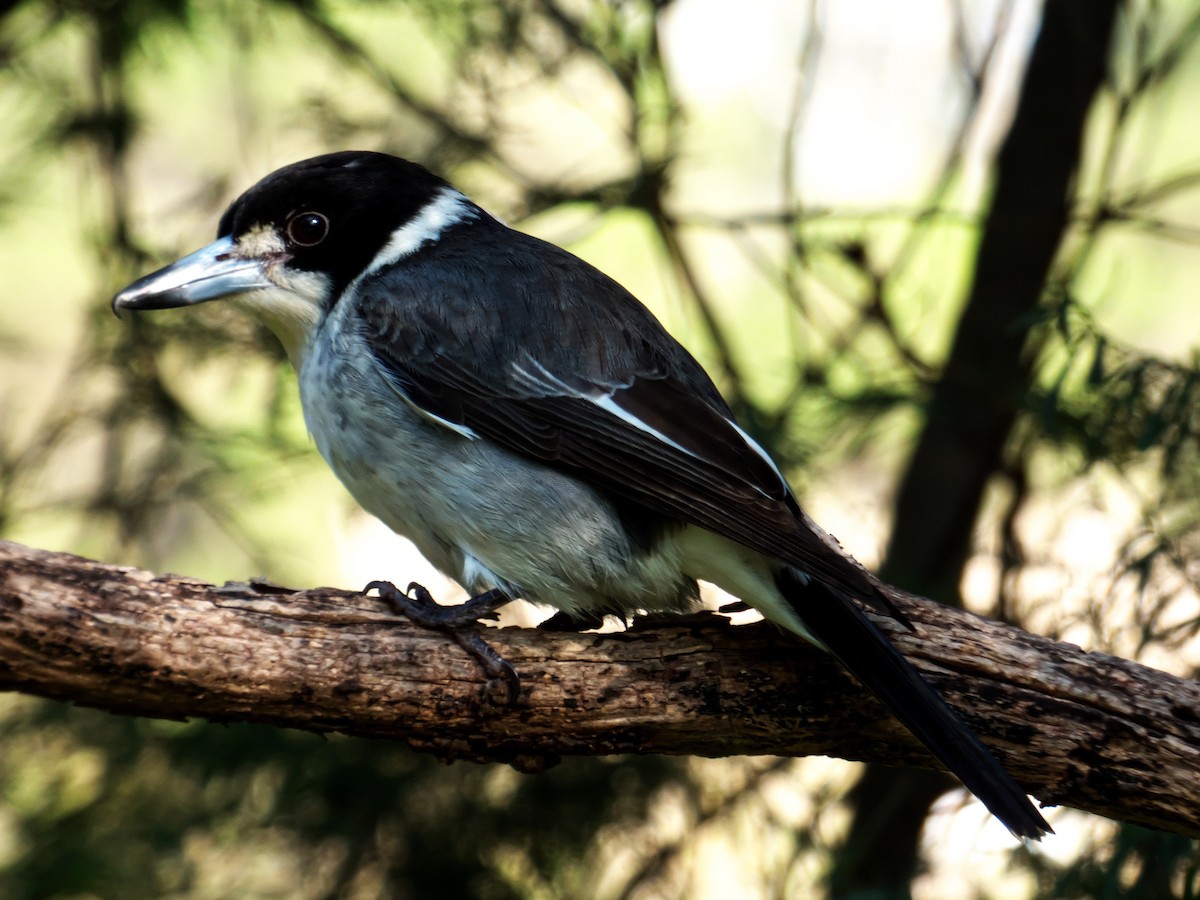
{"x": 565, "y": 622}
{"x": 734, "y": 606}
{"x": 418, "y": 605}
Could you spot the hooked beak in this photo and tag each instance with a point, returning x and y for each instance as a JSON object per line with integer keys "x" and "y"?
{"x": 210, "y": 273}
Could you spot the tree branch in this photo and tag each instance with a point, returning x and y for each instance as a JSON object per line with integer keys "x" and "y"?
{"x": 1079, "y": 729}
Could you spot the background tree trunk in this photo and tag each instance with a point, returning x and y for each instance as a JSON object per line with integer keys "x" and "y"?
{"x": 972, "y": 410}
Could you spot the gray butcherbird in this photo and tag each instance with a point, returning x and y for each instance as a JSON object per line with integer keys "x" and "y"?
{"x": 532, "y": 428}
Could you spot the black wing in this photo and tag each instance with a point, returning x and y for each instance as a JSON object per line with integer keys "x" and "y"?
{"x": 588, "y": 382}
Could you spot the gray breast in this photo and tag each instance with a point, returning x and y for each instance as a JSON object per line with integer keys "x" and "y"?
{"x": 483, "y": 515}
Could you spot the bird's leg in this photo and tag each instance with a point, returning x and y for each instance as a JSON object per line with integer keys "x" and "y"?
{"x": 418, "y": 605}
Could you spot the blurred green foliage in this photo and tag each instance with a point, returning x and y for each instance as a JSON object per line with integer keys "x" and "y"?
{"x": 175, "y": 440}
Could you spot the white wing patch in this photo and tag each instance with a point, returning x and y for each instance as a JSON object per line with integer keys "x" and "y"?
{"x": 545, "y": 382}
{"x": 468, "y": 433}
{"x": 606, "y": 403}
{"x": 753, "y": 445}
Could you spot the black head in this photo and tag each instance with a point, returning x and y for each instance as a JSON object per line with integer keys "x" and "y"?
{"x": 334, "y": 213}
{"x": 289, "y": 246}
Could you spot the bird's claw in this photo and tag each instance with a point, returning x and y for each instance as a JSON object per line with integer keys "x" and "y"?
{"x": 417, "y": 605}
{"x": 499, "y": 670}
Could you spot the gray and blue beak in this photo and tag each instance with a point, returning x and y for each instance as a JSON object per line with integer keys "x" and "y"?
{"x": 210, "y": 273}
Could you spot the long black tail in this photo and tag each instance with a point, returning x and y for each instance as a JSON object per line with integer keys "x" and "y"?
{"x": 865, "y": 651}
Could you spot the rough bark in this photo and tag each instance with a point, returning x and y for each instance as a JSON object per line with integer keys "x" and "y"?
{"x": 1079, "y": 729}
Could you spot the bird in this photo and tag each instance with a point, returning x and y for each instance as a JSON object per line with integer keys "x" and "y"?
{"x": 533, "y": 429}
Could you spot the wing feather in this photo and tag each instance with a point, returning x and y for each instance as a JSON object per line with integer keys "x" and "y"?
{"x": 633, "y": 413}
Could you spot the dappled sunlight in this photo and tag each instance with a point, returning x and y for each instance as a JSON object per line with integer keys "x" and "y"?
{"x": 797, "y": 191}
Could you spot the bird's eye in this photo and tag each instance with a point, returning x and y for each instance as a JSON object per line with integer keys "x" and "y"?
{"x": 307, "y": 229}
